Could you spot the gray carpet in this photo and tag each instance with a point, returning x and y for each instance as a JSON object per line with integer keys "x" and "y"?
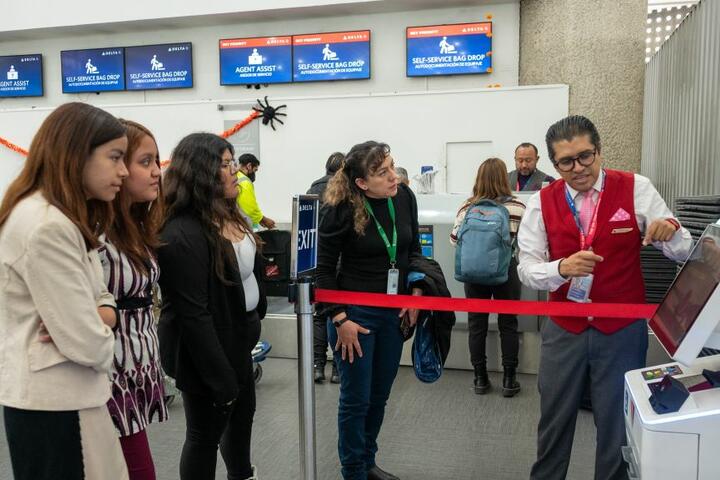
{"x": 431, "y": 432}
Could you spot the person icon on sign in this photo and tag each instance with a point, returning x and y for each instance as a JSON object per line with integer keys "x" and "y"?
{"x": 255, "y": 58}
{"x": 12, "y": 74}
{"x": 329, "y": 54}
{"x": 156, "y": 64}
{"x": 90, "y": 68}
{"x": 446, "y": 47}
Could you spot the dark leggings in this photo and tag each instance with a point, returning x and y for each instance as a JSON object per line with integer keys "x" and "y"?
{"x": 507, "y": 324}
{"x": 209, "y": 426}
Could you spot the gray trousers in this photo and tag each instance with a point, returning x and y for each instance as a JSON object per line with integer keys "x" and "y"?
{"x": 567, "y": 362}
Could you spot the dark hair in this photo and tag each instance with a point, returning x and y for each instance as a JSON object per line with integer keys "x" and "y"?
{"x": 527, "y": 145}
{"x": 569, "y": 128}
{"x": 54, "y": 165}
{"x": 193, "y": 185}
{"x": 334, "y": 162}
{"x": 135, "y": 227}
{"x": 361, "y": 161}
{"x": 246, "y": 158}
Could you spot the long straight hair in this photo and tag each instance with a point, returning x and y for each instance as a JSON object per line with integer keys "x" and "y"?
{"x": 135, "y": 227}
{"x": 58, "y": 153}
{"x": 361, "y": 161}
{"x": 193, "y": 185}
{"x": 491, "y": 182}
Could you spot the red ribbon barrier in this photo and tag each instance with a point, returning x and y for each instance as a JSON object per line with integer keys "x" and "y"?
{"x": 555, "y": 309}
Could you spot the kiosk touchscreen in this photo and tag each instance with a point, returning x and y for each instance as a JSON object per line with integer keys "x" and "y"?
{"x": 676, "y": 435}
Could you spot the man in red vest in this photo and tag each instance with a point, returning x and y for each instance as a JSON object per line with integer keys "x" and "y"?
{"x": 580, "y": 238}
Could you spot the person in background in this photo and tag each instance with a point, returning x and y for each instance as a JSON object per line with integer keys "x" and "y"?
{"x": 212, "y": 306}
{"x": 248, "y": 167}
{"x": 403, "y": 175}
{"x": 369, "y": 222}
{"x": 591, "y": 222}
{"x": 320, "y": 344}
{"x": 491, "y": 184}
{"x": 131, "y": 272}
{"x": 526, "y": 177}
{"x": 56, "y": 344}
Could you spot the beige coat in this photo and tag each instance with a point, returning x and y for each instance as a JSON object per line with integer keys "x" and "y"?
{"x": 47, "y": 274}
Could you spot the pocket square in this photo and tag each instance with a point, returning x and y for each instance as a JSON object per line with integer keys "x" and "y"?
{"x": 620, "y": 215}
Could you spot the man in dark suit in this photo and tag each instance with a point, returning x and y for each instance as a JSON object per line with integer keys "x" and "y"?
{"x": 526, "y": 177}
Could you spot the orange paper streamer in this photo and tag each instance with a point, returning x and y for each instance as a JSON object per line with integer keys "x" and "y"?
{"x": 13, "y": 147}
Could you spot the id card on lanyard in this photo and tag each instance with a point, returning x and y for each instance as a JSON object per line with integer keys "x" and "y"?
{"x": 393, "y": 278}
{"x": 580, "y": 287}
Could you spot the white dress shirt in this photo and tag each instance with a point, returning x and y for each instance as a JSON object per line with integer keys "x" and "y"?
{"x": 537, "y": 272}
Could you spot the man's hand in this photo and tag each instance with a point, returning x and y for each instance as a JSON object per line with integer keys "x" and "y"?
{"x": 579, "y": 264}
{"x": 268, "y": 223}
{"x": 659, "y": 231}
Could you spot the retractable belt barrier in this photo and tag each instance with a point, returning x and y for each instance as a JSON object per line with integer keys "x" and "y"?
{"x": 452, "y": 304}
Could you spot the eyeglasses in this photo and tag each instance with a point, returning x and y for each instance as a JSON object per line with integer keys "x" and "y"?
{"x": 568, "y": 163}
{"x": 230, "y": 164}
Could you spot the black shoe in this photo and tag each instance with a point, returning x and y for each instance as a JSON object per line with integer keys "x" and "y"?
{"x": 319, "y": 374}
{"x": 376, "y": 473}
{"x": 335, "y": 377}
{"x": 511, "y": 387}
{"x": 481, "y": 384}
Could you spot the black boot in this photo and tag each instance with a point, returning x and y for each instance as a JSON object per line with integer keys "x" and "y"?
{"x": 511, "y": 387}
{"x": 481, "y": 384}
{"x": 335, "y": 378}
{"x": 376, "y": 473}
{"x": 319, "y": 373}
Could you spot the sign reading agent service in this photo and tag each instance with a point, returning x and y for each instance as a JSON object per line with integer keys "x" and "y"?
{"x": 21, "y": 76}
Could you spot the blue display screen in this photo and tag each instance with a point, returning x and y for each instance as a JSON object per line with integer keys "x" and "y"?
{"x": 247, "y": 61}
{"x": 331, "y": 56}
{"x": 21, "y": 76}
{"x": 449, "y": 49}
{"x": 94, "y": 70}
{"x": 156, "y": 67}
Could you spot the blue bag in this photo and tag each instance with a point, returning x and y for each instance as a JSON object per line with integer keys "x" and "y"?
{"x": 484, "y": 247}
{"x": 426, "y": 357}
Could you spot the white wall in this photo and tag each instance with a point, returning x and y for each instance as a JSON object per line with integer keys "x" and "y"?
{"x": 175, "y": 113}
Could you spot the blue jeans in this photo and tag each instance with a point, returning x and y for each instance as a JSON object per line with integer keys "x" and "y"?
{"x": 365, "y": 386}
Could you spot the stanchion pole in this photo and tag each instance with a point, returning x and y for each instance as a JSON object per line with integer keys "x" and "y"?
{"x": 306, "y": 387}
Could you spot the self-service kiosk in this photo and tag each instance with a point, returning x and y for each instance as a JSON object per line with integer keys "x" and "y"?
{"x": 672, "y": 411}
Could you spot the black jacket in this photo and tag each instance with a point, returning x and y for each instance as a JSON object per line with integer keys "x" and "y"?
{"x": 204, "y": 330}
{"x": 318, "y": 186}
{"x": 433, "y": 284}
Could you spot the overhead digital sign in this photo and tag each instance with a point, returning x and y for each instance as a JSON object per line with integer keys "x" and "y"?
{"x": 156, "y": 67}
{"x": 331, "y": 56}
{"x": 21, "y": 76}
{"x": 464, "y": 48}
{"x": 246, "y": 61}
{"x": 93, "y": 70}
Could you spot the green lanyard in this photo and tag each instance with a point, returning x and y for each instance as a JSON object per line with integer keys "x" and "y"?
{"x": 391, "y": 249}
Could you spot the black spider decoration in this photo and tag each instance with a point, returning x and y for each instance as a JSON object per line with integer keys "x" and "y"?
{"x": 270, "y": 114}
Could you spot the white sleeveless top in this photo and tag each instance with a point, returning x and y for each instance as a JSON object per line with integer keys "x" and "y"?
{"x": 245, "y": 253}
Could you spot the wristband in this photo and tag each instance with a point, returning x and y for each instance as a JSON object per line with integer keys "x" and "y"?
{"x": 674, "y": 223}
{"x": 338, "y": 323}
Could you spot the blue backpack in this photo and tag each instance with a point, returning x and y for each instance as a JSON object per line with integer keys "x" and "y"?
{"x": 484, "y": 247}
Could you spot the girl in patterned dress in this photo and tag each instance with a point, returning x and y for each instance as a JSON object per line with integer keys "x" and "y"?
{"x": 131, "y": 271}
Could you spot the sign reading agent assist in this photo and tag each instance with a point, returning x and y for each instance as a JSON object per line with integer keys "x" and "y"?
{"x": 248, "y": 61}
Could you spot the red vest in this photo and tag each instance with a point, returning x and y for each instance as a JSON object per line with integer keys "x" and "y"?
{"x": 618, "y": 278}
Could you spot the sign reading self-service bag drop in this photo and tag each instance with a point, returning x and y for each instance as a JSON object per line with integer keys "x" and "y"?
{"x": 449, "y": 49}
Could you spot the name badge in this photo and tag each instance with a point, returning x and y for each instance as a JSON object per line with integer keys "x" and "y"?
{"x": 579, "y": 290}
{"x": 393, "y": 281}
{"x": 622, "y": 230}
